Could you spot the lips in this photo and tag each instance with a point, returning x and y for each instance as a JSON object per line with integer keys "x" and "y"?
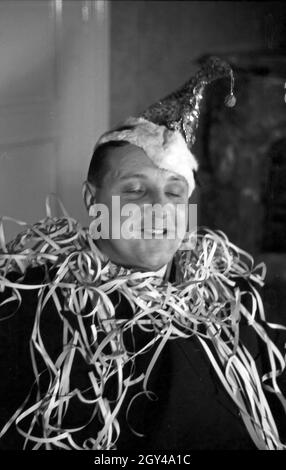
{"x": 155, "y": 231}
{"x": 164, "y": 232}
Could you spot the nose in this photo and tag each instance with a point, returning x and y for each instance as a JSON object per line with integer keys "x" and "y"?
{"x": 158, "y": 197}
{"x": 157, "y": 200}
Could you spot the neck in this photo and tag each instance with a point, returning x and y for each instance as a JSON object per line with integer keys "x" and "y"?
{"x": 114, "y": 259}
{"x": 116, "y": 268}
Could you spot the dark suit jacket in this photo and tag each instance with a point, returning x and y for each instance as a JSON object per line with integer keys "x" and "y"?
{"x": 192, "y": 410}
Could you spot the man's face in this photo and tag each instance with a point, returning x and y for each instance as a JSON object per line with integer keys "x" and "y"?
{"x": 136, "y": 180}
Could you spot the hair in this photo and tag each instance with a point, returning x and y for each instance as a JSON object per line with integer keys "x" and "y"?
{"x": 98, "y": 166}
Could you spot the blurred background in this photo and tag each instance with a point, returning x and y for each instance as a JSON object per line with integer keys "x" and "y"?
{"x": 70, "y": 69}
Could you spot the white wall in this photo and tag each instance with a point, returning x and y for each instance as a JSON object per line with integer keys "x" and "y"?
{"x": 83, "y": 94}
{"x": 54, "y": 101}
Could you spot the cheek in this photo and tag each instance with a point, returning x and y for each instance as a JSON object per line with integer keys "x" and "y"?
{"x": 182, "y": 215}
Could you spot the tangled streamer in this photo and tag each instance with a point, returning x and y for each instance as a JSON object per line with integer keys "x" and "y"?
{"x": 204, "y": 301}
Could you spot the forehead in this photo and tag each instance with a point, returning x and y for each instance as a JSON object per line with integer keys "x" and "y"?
{"x": 131, "y": 160}
{"x": 127, "y": 158}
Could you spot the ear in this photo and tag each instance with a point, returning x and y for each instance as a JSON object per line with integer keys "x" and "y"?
{"x": 88, "y": 194}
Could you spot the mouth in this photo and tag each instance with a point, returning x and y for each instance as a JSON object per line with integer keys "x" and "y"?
{"x": 156, "y": 232}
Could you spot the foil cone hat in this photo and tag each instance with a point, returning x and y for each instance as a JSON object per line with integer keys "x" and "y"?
{"x": 166, "y": 130}
{"x": 181, "y": 109}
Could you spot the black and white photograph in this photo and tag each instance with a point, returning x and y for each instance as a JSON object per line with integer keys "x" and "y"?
{"x": 142, "y": 228}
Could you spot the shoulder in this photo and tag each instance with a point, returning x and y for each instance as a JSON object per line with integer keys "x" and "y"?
{"x": 228, "y": 282}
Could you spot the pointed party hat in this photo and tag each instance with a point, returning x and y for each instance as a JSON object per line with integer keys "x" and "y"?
{"x": 166, "y": 130}
{"x": 181, "y": 109}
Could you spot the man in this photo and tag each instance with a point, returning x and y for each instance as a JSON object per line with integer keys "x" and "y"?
{"x": 134, "y": 179}
{"x": 137, "y": 341}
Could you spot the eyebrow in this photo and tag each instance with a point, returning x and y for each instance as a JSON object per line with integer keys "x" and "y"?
{"x": 133, "y": 175}
{"x": 176, "y": 178}
{"x": 143, "y": 176}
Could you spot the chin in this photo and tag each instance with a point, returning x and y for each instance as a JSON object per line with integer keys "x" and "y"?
{"x": 151, "y": 266}
{"x": 147, "y": 255}
{"x": 153, "y": 259}
{"x": 153, "y": 255}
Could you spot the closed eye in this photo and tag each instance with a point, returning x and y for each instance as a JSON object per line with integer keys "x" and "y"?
{"x": 132, "y": 191}
{"x": 173, "y": 194}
